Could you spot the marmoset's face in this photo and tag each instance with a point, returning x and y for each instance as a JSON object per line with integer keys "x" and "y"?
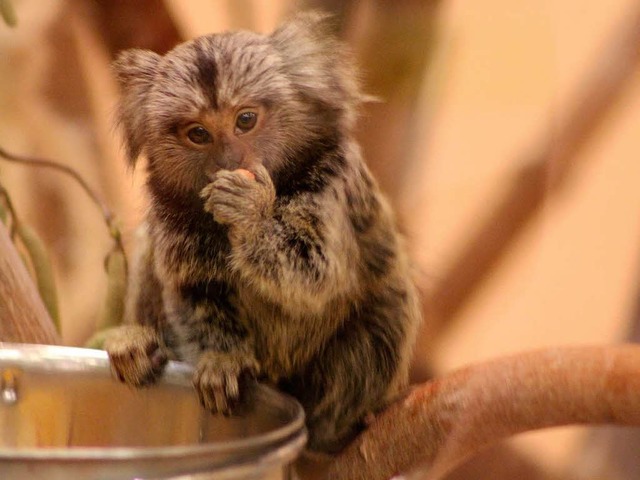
{"x": 220, "y": 102}
{"x": 231, "y": 101}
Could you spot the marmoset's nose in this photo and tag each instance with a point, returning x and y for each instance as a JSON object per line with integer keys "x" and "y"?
{"x": 228, "y": 153}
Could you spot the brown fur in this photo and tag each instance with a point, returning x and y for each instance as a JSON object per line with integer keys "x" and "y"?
{"x": 297, "y": 276}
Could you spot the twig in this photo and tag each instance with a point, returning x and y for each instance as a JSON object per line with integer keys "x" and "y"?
{"x": 107, "y": 214}
{"x": 443, "y": 422}
{"x": 38, "y": 162}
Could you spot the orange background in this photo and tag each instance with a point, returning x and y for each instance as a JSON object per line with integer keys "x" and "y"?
{"x": 503, "y": 76}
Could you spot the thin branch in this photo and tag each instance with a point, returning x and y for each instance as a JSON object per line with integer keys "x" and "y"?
{"x": 38, "y": 162}
{"x": 445, "y": 421}
{"x": 107, "y": 214}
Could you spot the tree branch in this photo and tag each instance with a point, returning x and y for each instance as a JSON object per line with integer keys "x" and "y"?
{"x": 23, "y": 316}
{"x": 443, "y": 422}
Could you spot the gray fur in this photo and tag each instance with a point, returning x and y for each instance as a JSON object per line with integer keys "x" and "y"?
{"x": 297, "y": 276}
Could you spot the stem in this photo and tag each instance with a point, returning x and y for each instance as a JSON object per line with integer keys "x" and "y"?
{"x": 38, "y": 162}
{"x": 12, "y": 211}
{"x": 107, "y": 214}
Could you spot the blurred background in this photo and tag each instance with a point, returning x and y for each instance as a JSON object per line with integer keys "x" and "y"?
{"x": 508, "y": 139}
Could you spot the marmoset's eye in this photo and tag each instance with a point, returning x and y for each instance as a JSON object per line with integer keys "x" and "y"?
{"x": 198, "y": 135}
{"x": 245, "y": 121}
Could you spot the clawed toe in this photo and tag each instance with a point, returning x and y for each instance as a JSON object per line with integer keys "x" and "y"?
{"x": 136, "y": 355}
{"x": 216, "y": 380}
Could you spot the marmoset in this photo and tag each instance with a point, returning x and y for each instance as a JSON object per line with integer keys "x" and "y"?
{"x": 269, "y": 250}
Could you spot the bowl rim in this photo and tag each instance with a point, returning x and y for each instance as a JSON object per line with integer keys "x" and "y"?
{"x": 76, "y": 359}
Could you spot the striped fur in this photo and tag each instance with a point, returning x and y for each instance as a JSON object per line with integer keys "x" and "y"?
{"x": 298, "y": 276}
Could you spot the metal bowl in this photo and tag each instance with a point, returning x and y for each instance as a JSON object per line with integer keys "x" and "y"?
{"x": 62, "y": 416}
